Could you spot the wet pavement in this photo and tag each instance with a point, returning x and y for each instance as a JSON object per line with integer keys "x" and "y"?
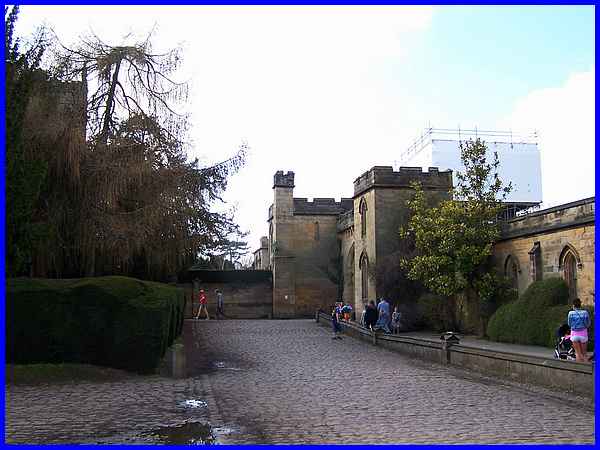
{"x": 262, "y": 381}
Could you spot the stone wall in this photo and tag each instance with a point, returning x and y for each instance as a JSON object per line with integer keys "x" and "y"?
{"x": 566, "y": 376}
{"x": 364, "y": 246}
{"x": 569, "y": 226}
{"x": 305, "y": 250}
{"x": 391, "y": 213}
{"x": 385, "y": 192}
{"x": 261, "y": 255}
{"x": 241, "y": 300}
{"x": 386, "y": 176}
{"x": 348, "y": 256}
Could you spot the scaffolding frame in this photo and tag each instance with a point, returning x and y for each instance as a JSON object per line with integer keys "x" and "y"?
{"x": 430, "y": 134}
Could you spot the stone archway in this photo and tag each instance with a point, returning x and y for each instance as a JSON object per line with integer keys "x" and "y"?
{"x": 512, "y": 271}
{"x": 364, "y": 277}
{"x": 349, "y": 276}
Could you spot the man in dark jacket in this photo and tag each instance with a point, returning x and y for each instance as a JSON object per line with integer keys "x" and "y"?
{"x": 371, "y": 315}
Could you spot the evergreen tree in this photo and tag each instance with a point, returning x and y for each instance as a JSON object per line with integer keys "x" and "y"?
{"x": 25, "y": 172}
{"x": 454, "y": 239}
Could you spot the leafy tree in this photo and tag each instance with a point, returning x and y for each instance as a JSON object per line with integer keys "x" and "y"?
{"x": 393, "y": 279}
{"x": 454, "y": 239}
{"x": 25, "y": 172}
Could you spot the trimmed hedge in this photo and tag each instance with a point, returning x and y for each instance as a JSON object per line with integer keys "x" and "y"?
{"x": 114, "y": 321}
{"x": 534, "y": 318}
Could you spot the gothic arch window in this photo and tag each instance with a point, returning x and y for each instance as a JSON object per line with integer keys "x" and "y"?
{"x": 363, "y": 217}
{"x": 569, "y": 263}
{"x": 364, "y": 276}
{"x": 317, "y": 236}
{"x": 512, "y": 270}
{"x": 535, "y": 262}
{"x": 351, "y": 263}
{"x": 270, "y": 236}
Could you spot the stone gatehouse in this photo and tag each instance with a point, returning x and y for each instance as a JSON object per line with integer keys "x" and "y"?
{"x": 318, "y": 256}
{"x": 325, "y": 250}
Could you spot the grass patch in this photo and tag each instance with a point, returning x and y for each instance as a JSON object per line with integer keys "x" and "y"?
{"x": 61, "y": 373}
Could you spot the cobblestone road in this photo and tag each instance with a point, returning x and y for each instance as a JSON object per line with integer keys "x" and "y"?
{"x": 289, "y": 382}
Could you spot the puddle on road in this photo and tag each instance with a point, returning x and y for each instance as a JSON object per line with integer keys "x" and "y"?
{"x": 223, "y": 366}
{"x": 194, "y": 404}
{"x": 186, "y": 433}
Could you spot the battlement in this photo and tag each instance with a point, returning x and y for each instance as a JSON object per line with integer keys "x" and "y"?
{"x": 387, "y": 177}
{"x": 283, "y": 180}
{"x": 321, "y": 206}
{"x": 264, "y": 242}
{"x": 345, "y": 220}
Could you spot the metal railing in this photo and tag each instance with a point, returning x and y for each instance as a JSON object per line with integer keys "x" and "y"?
{"x": 429, "y": 134}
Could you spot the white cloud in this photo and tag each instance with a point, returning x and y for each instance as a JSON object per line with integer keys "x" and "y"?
{"x": 565, "y": 120}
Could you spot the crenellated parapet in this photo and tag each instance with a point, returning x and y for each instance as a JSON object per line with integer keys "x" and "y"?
{"x": 345, "y": 220}
{"x": 321, "y": 206}
{"x": 387, "y": 177}
{"x": 569, "y": 215}
{"x": 283, "y": 179}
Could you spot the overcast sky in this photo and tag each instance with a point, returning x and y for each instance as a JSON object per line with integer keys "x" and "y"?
{"x": 329, "y": 92}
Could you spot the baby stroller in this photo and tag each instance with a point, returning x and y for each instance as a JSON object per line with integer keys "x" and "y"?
{"x": 564, "y": 347}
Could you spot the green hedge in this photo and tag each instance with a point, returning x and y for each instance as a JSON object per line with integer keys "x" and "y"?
{"x": 117, "y": 322}
{"x": 534, "y": 318}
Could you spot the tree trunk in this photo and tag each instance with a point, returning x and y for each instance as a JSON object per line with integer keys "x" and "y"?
{"x": 110, "y": 104}
{"x": 468, "y": 314}
{"x": 474, "y": 321}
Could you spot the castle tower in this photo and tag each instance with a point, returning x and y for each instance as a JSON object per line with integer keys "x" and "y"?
{"x": 380, "y": 209}
{"x": 304, "y": 250}
{"x": 280, "y": 238}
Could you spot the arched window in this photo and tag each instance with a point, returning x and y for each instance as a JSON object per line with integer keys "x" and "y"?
{"x": 351, "y": 265}
{"x": 363, "y": 217}
{"x": 535, "y": 262}
{"x": 569, "y": 263}
{"x": 317, "y": 237}
{"x": 364, "y": 276}
{"x": 511, "y": 271}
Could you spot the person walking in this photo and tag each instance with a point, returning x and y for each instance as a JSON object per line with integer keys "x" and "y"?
{"x": 396, "y": 318}
{"x": 579, "y": 321}
{"x": 202, "y": 305}
{"x": 362, "y": 315}
{"x": 383, "y": 321}
{"x": 335, "y": 321}
{"x": 370, "y": 315}
{"x": 220, "y": 308}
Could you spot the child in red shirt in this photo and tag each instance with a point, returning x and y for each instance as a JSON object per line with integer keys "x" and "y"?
{"x": 203, "y": 302}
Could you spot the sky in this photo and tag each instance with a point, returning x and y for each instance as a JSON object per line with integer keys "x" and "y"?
{"x": 329, "y": 92}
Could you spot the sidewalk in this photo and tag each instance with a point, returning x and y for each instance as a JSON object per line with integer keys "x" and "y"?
{"x": 473, "y": 341}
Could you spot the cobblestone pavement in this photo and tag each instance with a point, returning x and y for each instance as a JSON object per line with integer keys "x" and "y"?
{"x": 289, "y": 382}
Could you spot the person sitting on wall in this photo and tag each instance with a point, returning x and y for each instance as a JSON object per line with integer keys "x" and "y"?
{"x": 370, "y": 315}
{"x": 346, "y": 310}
